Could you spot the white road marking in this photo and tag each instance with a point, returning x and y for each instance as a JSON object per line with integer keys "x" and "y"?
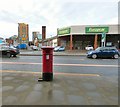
{"x": 84, "y": 65}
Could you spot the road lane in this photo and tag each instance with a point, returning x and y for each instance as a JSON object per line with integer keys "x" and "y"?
{"x": 67, "y": 64}
{"x": 84, "y": 65}
{"x": 63, "y": 60}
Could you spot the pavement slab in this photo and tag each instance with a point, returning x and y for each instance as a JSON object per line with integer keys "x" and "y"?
{"x": 63, "y": 53}
{"x": 21, "y": 88}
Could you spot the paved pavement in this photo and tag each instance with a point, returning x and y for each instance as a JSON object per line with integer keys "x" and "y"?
{"x": 65, "y": 53}
{"x": 23, "y": 88}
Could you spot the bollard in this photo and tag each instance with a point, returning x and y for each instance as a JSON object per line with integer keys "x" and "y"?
{"x": 47, "y": 63}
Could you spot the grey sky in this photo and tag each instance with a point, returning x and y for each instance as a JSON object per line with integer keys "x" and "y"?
{"x": 54, "y": 14}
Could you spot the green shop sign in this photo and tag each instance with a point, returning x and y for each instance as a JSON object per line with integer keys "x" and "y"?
{"x": 96, "y": 29}
{"x": 63, "y": 31}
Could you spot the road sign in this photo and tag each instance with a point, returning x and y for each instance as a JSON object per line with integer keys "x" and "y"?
{"x": 103, "y": 37}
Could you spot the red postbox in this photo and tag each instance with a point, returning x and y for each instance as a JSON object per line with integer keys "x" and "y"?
{"x": 47, "y": 63}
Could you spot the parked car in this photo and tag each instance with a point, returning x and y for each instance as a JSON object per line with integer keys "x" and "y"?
{"x": 59, "y": 48}
{"x": 89, "y": 47}
{"x": 8, "y": 51}
{"x": 104, "y": 52}
{"x": 22, "y": 46}
{"x": 35, "y": 48}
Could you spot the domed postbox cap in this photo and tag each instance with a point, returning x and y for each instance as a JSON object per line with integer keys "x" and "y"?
{"x": 47, "y": 48}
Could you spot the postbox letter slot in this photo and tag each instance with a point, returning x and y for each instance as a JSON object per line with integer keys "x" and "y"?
{"x": 47, "y": 56}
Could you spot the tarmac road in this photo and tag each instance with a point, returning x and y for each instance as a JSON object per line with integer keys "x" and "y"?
{"x": 77, "y": 81}
{"x": 63, "y": 64}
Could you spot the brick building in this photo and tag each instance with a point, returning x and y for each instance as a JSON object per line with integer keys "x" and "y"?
{"x": 23, "y": 33}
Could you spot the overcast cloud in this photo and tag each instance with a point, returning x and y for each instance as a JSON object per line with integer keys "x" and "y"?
{"x": 54, "y": 14}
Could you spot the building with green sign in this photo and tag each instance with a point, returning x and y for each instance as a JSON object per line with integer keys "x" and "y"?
{"x": 78, "y": 37}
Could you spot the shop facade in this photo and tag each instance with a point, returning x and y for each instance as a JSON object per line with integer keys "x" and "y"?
{"x": 78, "y": 37}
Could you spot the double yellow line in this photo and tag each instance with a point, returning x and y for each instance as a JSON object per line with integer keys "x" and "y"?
{"x": 56, "y": 73}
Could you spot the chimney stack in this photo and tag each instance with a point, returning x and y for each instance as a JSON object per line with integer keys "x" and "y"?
{"x": 43, "y": 32}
